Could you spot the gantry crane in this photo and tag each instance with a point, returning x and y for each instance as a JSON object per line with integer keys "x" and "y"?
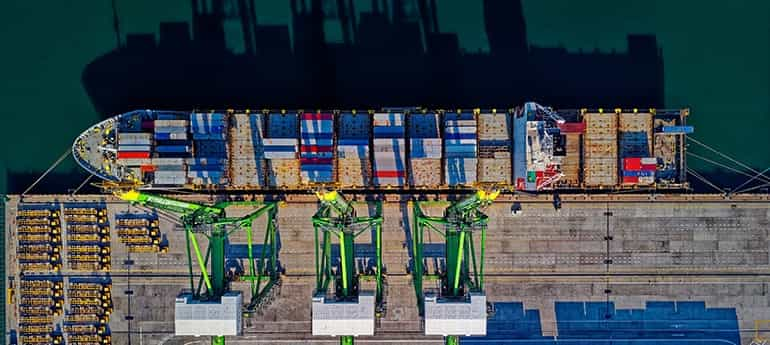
{"x": 460, "y": 306}
{"x": 213, "y": 223}
{"x": 350, "y": 311}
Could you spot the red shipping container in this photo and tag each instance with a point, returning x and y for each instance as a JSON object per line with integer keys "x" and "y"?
{"x": 133, "y": 154}
{"x": 316, "y": 148}
{"x": 632, "y": 163}
{"x": 148, "y": 124}
{"x": 630, "y": 179}
{"x": 147, "y": 168}
{"x": 315, "y": 161}
{"x": 649, "y": 167}
{"x": 572, "y": 127}
{"x": 389, "y": 173}
{"x": 539, "y": 174}
{"x": 318, "y": 116}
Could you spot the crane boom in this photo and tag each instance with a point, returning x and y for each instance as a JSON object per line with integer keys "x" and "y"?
{"x": 172, "y": 205}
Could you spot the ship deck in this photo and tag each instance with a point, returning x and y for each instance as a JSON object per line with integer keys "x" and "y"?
{"x": 621, "y": 251}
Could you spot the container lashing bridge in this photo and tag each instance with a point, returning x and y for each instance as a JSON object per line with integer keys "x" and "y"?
{"x": 217, "y": 311}
{"x": 460, "y": 306}
{"x": 350, "y": 311}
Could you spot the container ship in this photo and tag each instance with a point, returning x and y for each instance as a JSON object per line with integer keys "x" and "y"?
{"x": 530, "y": 148}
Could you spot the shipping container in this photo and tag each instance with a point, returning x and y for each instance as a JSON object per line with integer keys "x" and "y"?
{"x": 389, "y": 150}
{"x": 283, "y": 173}
{"x": 133, "y": 154}
{"x": 134, "y": 136}
{"x": 282, "y": 126}
{"x": 600, "y": 151}
{"x": 172, "y": 123}
{"x": 460, "y": 149}
{"x": 172, "y": 148}
{"x": 134, "y": 148}
{"x": 678, "y": 129}
{"x": 247, "y": 165}
{"x": 425, "y": 150}
{"x": 317, "y": 148}
{"x": 572, "y": 127}
{"x": 353, "y": 165}
{"x": 178, "y": 130}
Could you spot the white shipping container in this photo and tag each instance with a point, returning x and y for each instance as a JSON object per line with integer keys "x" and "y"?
{"x": 388, "y": 116}
{"x": 460, "y": 123}
{"x": 134, "y": 136}
{"x": 171, "y": 123}
{"x": 457, "y": 130}
{"x": 280, "y": 155}
{"x": 130, "y": 141}
{"x": 134, "y": 161}
{"x": 168, "y": 161}
{"x": 279, "y": 141}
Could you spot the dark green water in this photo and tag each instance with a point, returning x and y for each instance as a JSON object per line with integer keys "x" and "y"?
{"x": 716, "y": 58}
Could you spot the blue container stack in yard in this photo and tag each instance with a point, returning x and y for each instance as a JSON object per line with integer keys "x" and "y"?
{"x": 460, "y": 146}
{"x": 281, "y": 148}
{"x": 354, "y": 167}
{"x": 389, "y": 147}
{"x": 209, "y": 133}
{"x": 317, "y": 148}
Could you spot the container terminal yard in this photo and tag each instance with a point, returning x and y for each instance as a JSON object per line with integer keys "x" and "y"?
{"x": 542, "y": 227}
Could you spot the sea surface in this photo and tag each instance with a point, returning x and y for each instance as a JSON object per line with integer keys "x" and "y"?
{"x": 716, "y": 57}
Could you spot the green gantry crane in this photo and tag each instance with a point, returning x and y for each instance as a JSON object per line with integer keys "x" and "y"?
{"x": 213, "y": 223}
{"x": 336, "y": 218}
{"x": 464, "y": 271}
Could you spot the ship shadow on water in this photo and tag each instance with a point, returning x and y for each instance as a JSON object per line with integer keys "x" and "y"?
{"x": 394, "y": 54}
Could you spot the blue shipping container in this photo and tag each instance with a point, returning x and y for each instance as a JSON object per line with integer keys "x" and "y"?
{"x": 450, "y": 136}
{"x": 353, "y": 142}
{"x": 317, "y": 167}
{"x": 172, "y": 149}
{"x": 280, "y": 148}
{"x": 211, "y": 167}
{"x": 678, "y": 129}
{"x": 638, "y": 173}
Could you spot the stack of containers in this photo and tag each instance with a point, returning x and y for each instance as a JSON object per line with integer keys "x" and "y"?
{"x": 208, "y": 166}
{"x": 247, "y": 156}
{"x": 494, "y": 148}
{"x": 460, "y": 149}
{"x": 172, "y": 146}
{"x": 281, "y": 148}
{"x": 570, "y": 165}
{"x": 389, "y": 147}
{"x": 424, "y": 150}
{"x": 600, "y": 150}
{"x": 639, "y": 171}
{"x": 317, "y": 148}
{"x": 354, "y": 167}
{"x": 635, "y": 131}
{"x": 134, "y": 149}
{"x": 666, "y": 150}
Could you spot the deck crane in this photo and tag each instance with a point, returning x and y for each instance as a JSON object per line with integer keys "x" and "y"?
{"x": 350, "y": 311}
{"x": 213, "y": 223}
{"x": 459, "y": 308}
